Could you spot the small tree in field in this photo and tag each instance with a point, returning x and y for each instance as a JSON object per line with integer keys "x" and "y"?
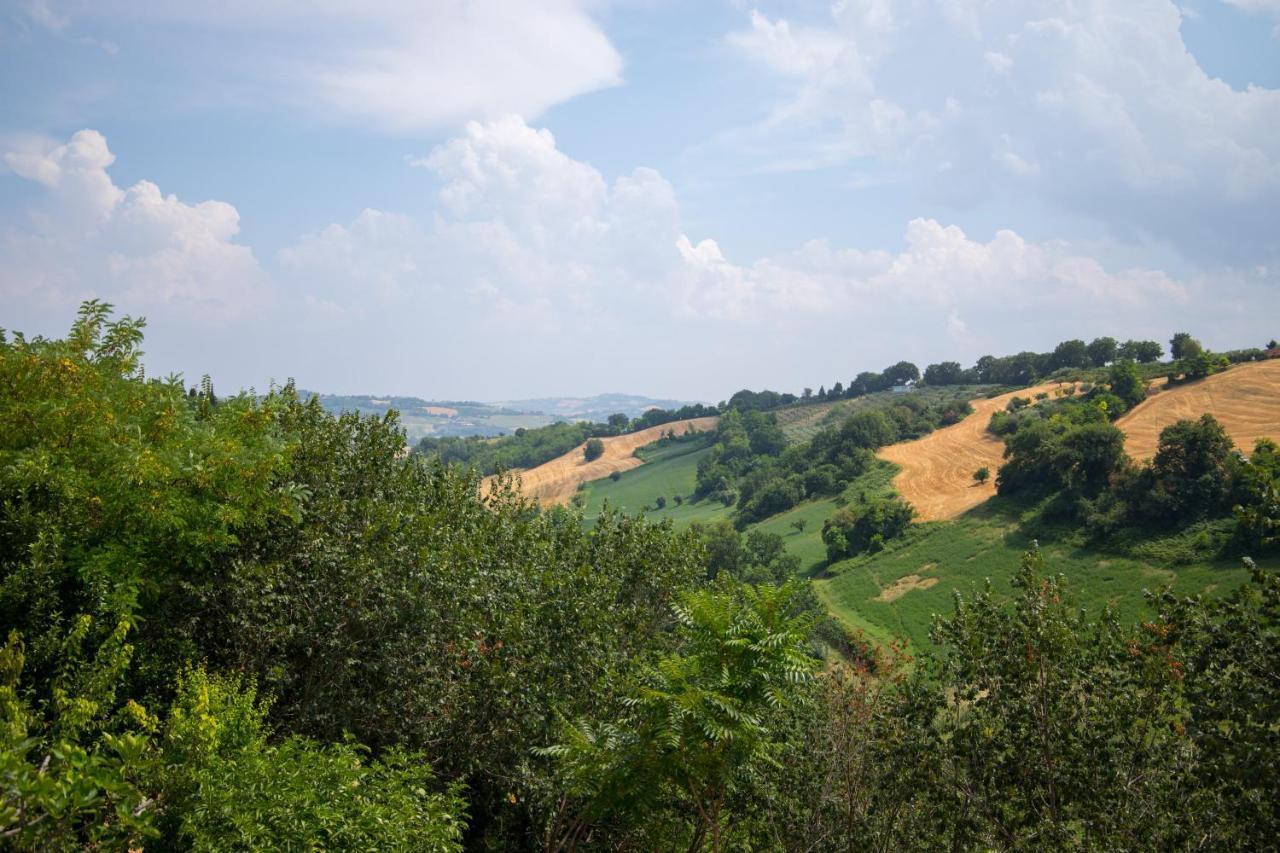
{"x": 661, "y": 502}
{"x": 593, "y": 449}
{"x": 982, "y": 475}
{"x": 799, "y": 525}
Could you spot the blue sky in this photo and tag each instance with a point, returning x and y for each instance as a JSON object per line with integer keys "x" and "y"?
{"x": 498, "y": 200}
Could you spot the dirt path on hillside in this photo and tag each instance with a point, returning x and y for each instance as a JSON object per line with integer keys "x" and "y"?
{"x": 1244, "y": 399}
{"x": 555, "y": 482}
{"x": 937, "y": 470}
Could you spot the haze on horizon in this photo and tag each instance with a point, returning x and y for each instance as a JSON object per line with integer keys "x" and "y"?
{"x": 505, "y": 200}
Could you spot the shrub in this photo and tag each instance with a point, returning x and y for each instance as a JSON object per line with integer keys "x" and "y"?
{"x": 593, "y": 449}
{"x": 866, "y": 527}
{"x": 982, "y": 475}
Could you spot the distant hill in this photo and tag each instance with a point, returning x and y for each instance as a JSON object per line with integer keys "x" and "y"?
{"x": 422, "y": 418}
{"x": 597, "y": 408}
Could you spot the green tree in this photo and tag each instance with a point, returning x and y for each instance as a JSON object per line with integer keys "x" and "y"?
{"x": 982, "y": 475}
{"x": 696, "y": 725}
{"x": 1126, "y": 383}
{"x": 1143, "y": 352}
{"x": 1182, "y": 345}
{"x": 1103, "y": 351}
{"x": 593, "y": 449}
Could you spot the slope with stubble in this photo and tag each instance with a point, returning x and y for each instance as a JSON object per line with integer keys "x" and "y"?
{"x": 555, "y": 482}
{"x": 937, "y": 470}
{"x": 1244, "y": 399}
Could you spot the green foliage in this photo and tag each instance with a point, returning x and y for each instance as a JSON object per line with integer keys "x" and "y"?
{"x": 866, "y": 527}
{"x": 1126, "y": 383}
{"x": 1258, "y": 490}
{"x": 593, "y": 449}
{"x": 71, "y": 769}
{"x": 694, "y": 726}
{"x": 982, "y": 475}
{"x": 1143, "y": 352}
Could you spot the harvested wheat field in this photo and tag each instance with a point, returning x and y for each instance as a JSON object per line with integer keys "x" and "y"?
{"x": 1244, "y": 399}
{"x": 556, "y": 481}
{"x": 937, "y": 470}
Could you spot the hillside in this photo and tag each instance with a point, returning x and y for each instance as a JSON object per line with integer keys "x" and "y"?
{"x": 937, "y": 471}
{"x": 1244, "y": 399}
{"x": 421, "y": 418}
{"x": 555, "y": 482}
{"x": 595, "y": 408}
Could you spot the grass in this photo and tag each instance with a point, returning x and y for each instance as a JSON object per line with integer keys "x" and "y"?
{"x": 988, "y": 543}
{"x": 668, "y": 471}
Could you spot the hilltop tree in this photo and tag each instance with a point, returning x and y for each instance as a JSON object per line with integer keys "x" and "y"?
{"x": 901, "y": 373}
{"x": 1182, "y": 345}
{"x": 1143, "y": 352}
{"x": 945, "y": 373}
{"x": 1103, "y": 351}
{"x": 1072, "y": 353}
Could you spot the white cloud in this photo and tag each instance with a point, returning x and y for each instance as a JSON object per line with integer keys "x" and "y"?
{"x": 529, "y": 232}
{"x": 394, "y": 64}
{"x": 534, "y": 257}
{"x": 1093, "y": 108}
{"x": 88, "y": 237}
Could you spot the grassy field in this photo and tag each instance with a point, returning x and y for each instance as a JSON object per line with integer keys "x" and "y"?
{"x": 939, "y": 559}
{"x": 668, "y": 471}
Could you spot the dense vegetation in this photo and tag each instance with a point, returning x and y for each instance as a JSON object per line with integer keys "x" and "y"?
{"x": 751, "y": 466}
{"x": 248, "y": 624}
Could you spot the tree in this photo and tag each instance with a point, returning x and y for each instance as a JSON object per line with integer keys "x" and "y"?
{"x": 618, "y": 423}
{"x": 660, "y": 502}
{"x": 799, "y": 525}
{"x": 946, "y": 373}
{"x": 1143, "y": 352}
{"x": 865, "y": 527}
{"x": 593, "y": 449}
{"x": 900, "y": 374}
{"x": 1191, "y": 473}
{"x": 696, "y": 725}
{"x": 982, "y": 475}
{"x": 1073, "y": 353}
{"x": 1182, "y": 345}
{"x": 1103, "y": 351}
{"x": 1126, "y": 383}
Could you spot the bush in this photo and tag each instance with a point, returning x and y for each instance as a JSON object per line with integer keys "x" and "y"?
{"x": 615, "y": 476}
{"x": 593, "y": 449}
{"x": 865, "y": 527}
{"x": 982, "y": 475}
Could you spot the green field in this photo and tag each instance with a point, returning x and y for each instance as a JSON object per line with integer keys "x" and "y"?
{"x": 988, "y": 542}
{"x": 668, "y": 471}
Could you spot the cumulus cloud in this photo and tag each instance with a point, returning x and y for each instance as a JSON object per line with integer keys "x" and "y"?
{"x": 1093, "y": 108}
{"x": 533, "y": 257}
{"x": 525, "y": 229}
{"x": 393, "y": 64}
{"x": 86, "y": 236}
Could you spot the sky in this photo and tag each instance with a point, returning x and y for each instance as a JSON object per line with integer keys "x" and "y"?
{"x": 468, "y": 199}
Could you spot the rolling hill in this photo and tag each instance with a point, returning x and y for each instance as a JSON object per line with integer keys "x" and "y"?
{"x": 555, "y": 482}
{"x": 1244, "y": 399}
